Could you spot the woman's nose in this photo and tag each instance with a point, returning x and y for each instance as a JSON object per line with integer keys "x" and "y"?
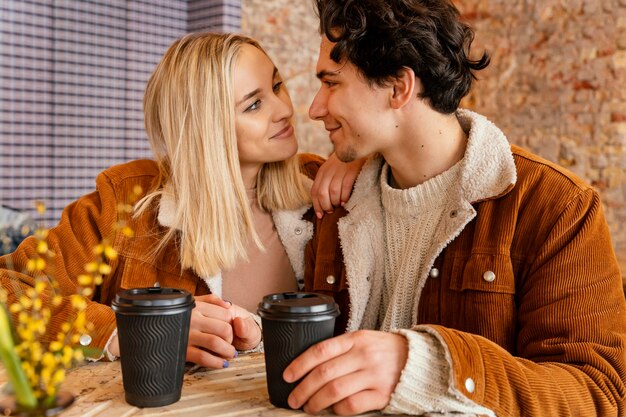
{"x": 284, "y": 108}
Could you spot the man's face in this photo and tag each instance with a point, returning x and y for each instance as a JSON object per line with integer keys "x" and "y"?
{"x": 353, "y": 113}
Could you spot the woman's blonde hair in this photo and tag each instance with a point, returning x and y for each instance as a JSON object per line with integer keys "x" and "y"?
{"x": 189, "y": 111}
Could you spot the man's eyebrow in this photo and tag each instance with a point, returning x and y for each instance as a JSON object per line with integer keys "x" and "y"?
{"x": 325, "y": 73}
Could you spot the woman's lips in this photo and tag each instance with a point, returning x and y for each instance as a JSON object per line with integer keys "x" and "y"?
{"x": 285, "y": 133}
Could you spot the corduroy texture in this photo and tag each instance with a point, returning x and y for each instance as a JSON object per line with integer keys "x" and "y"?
{"x": 547, "y": 336}
{"x": 87, "y": 220}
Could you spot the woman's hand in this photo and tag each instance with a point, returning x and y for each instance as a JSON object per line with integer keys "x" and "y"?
{"x": 218, "y": 329}
{"x": 211, "y": 332}
{"x": 246, "y": 331}
{"x": 333, "y": 184}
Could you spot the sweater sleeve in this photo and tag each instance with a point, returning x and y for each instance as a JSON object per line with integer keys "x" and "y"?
{"x": 425, "y": 382}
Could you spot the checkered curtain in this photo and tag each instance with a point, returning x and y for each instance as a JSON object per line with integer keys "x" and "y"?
{"x": 72, "y": 76}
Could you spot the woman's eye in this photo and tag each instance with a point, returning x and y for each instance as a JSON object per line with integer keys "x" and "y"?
{"x": 276, "y": 87}
{"x": 253, "y": 106}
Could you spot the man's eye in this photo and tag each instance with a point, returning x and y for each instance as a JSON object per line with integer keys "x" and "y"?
{"x": 276, "y": 87}
{"x": 253, "y": 106}
{"x": 328, "y": 84}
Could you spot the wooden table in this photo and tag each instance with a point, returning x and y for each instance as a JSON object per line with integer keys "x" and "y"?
{"x": 239, "y": 390}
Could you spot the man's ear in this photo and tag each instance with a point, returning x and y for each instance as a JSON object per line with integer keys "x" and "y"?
{"x": 403, "y": 88}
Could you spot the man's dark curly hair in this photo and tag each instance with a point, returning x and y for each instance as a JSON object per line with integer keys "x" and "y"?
{"x": 380, "y": 37}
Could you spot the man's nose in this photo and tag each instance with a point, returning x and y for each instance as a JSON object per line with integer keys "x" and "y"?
{"x": 318, "y": 109}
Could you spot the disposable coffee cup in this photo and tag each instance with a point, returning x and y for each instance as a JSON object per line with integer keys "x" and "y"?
{"x": 153, "y": 330}
{"x": 292, "y": 322}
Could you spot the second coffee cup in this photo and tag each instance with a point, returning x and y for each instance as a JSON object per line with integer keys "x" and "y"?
{"x": 292, "y": 322}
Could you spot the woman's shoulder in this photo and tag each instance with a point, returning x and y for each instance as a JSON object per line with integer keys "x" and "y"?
{"x": 132, "y": 169}
{"x": 310, "y": 163}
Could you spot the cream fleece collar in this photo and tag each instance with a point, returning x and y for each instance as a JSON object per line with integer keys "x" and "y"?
{"x": 487, "y": 171}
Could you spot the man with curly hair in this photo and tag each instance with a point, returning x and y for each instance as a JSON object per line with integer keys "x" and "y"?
{"x": 473, "y": 276}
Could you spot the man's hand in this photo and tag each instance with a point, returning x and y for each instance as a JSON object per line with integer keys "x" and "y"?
{"x": 333, "y": 184}
{"x": 352, "y": 373}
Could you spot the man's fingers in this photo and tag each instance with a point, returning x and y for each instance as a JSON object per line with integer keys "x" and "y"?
{"x": 359, "y": 403}
{"x": 339, "y": 390}
{"x": 335, "y": 190}
{"x": 326, "y": 378}
{"x": 315, "y": 355}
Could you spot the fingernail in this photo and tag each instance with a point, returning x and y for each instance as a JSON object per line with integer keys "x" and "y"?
{"x": 318, "y": 214}
{"x": 226, "y": 301}
{"x": 287, "y": 376}
{"x": 292, "y": 402}
{"x": 236, "y": 354}
{"x": 226, "y": 364}
{"x": 343, "y": 204}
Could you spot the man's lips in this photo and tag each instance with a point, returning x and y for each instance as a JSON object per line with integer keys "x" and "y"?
{"x": 284, "y": 133}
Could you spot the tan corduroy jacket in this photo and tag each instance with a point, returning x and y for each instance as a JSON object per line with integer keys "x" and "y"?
{"x": 92, "y": 217}
{"x": 524, "y": 291}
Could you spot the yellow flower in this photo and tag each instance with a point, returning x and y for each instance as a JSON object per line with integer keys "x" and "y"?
{"x": 85, "y": 280}
{"x": 110, "y": 253}
{"x": 42, "y": 247}
{"x": 91, "y": 267}
{"x": 104, "y": 269}
{"x": 36, "y": 264}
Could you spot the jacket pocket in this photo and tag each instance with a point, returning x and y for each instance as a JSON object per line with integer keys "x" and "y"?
{"x": 483, "y": 272}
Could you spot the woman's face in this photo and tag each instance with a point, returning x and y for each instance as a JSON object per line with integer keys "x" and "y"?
{"x": 263, "y": 112}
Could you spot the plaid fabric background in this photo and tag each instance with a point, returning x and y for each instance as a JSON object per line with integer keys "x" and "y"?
{"x": 72, "y": 76}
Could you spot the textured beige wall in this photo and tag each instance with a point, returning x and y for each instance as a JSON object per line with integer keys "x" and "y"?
{"x": 557, "y": 83}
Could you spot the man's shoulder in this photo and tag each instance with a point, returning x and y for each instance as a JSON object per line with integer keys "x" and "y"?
{"x": 534, "y": 170}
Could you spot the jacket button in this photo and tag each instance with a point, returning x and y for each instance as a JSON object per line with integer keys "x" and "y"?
{"x": 298, "y": 231}
{"x": 434, "y": 273}
{"x": 330, "y": 279}
{"x": 489, "y": 276}
{"x": 469, "y": 385}
{"x": 85, "y": 340}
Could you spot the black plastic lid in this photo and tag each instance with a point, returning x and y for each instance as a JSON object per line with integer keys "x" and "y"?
{"x": 155, "y": 297}
{"x": 297, "y": 304}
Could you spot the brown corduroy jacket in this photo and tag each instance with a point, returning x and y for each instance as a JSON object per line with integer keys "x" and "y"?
{"x": 91, "y": 218}
{"x": 526, "y": 295}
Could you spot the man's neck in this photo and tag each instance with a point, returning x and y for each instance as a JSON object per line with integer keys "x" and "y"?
{"x": 427, "y": 145}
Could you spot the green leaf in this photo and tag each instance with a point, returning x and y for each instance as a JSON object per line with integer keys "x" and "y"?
{"x": 23, "y": 392}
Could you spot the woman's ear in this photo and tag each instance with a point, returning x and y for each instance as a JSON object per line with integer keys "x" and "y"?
{"x": 403, "y": 88}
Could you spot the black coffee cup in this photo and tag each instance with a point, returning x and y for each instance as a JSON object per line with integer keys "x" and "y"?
{"x": 153, "y": 330}
{"x": 292, "y": 322}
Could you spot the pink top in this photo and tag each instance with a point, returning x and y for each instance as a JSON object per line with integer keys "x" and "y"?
{"x": 264, "y": 272}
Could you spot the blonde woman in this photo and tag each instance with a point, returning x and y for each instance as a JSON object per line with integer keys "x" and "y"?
{"x": 224, "y": 209}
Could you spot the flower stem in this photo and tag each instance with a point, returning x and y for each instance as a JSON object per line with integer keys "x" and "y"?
{"x": 23, "y": 393}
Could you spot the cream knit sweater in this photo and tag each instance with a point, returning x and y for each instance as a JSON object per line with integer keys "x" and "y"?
{"x": 411, "y": 217}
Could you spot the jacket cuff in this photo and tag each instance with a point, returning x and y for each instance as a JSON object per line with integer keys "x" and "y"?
{"x": 424, "y": 385}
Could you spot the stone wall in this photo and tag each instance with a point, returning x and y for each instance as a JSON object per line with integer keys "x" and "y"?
{"x": 556, "y": 85}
